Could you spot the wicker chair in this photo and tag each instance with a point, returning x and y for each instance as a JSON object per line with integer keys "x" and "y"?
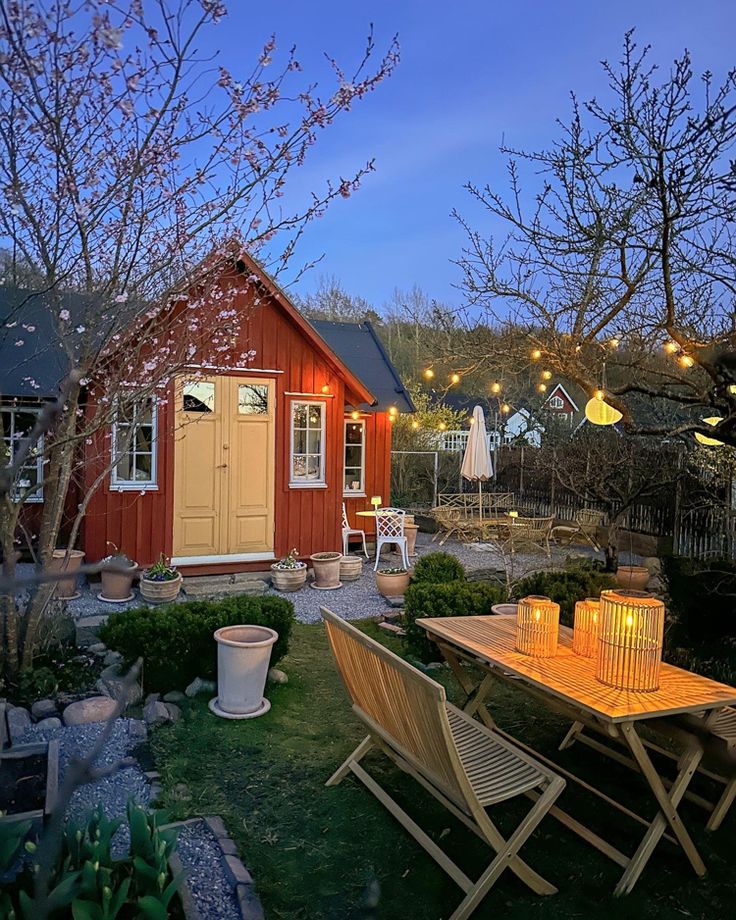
{"x": 529, "y": 532}
{"x": 463, "y": 764}
{"x": 584, "y": 525}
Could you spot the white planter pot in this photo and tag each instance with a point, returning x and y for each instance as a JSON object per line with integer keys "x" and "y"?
{"x": 243, "y": 657}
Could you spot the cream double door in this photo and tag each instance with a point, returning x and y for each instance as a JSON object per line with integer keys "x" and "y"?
{"x": 224, "y": 470}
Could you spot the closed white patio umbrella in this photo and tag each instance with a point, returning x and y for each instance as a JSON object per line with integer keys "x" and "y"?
{"x": 477, "y": 465}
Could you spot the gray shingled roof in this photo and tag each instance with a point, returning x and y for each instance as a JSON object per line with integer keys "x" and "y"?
{"x": 359, "y": 347}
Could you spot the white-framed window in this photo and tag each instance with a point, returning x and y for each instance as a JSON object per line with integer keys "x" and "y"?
{"x": 555, "y": 402}
{"x": 134, "y": 446}
{"x": 307, "y": 443}
{"x": 17, "y": 423}
{"x": 354, "y": 467}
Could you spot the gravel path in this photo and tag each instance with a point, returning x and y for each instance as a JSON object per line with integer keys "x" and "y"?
{"x": 201, "y": 857}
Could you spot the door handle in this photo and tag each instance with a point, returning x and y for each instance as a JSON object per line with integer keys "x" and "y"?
{"x": 221, "y": 466}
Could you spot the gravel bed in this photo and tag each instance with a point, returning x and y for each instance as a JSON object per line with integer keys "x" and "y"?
{"x": 113, "y": 790}
{"x": 210, "y": 887}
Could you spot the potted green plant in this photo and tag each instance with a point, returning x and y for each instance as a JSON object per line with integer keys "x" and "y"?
{"x": 289, "y": 574}
{"x": 160, "y": 583}
{"x": 392, "y": 582}
{"x": 326, "y": 570}
{"x": 118, "y": 572}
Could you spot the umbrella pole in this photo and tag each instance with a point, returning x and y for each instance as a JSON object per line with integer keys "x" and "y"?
{"x": 480, "y": 498}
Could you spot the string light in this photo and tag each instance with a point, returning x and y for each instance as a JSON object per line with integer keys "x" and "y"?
{"x": 393, "y": 410}
{"x": 599, "y": 394}
{"x": 326, "y": 388}
{"x": 686, "y": 361}
{"x": 542, "y": 387}
{"x": 671, "y": 347}
{"x": 355, "y": 414}
{"x": 442, "y": 426}
{"x": 415, "y": 424}
{"x": 496, "y": 387}
{"x": 614, "y": 343}
{"x": 546, "y": 375}
{"x": 505, "y": 408}
{"x": 455, "y": 378}
{"x": 732, "y": 389}
{"x": 429, "y": 373}
{"x": 536, "y": 354}
{"x": 471, "y": 420}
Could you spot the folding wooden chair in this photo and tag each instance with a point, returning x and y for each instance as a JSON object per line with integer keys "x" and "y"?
{"x": 463, "y": 764}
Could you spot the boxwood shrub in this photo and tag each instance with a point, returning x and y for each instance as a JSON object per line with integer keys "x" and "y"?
{"x": 175, "y": 641}
{"x": 452, "y": 599}
{"x": 439, "y": 567}
{"x": 566, "y": 587}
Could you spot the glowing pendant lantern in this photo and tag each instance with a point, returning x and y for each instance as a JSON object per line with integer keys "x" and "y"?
{"x": 598, "y": 412}
{"x": 704, "y": 439}
{"x": 630, "y": 639}
{"x": 585, "y": 632}
{"x": 537, "y": 625}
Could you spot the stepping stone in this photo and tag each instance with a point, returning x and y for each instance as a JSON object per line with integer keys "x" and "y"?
{"x": 87, "y": 630}
{"x": 174, "y": 696}
{"x": 93, "y": 709}
{"x": 42, "y": 709}
{"x": 51, "y": 722}
{"x": 19, "y": 721}
{"x": 392, "y": 628}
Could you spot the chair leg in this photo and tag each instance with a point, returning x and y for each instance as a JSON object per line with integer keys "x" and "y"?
{"x": 365, "y": 548}
{"x": 345, "y": 542}
{"x": 378, "y": 552}
{"x": 358, "y": 754}
{"x": 722, "y": 806}
{"x": 405, "y": 553}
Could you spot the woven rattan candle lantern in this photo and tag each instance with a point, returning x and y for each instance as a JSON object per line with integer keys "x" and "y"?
{"x": 630, "y": 636}
{"x": 585, "y": 634}
{"x": 537, "y": 625}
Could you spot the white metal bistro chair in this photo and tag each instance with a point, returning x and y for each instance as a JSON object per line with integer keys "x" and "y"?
{"x": 347, "y": 531}
{"x": 467, "y": 767}
{"x": 390, "y": 529}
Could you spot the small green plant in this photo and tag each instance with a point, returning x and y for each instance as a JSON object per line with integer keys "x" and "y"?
{"x": 86, "y": 882}
{"x": 160, "y": 571}
{"x": 394, "y": 571}
{"x": 118, "y": 559}
{"x": 453, "y": 599}
{"x": 290, "y": 561}
{"x": 439, "y": 568}
{"x": 175, "y": 640}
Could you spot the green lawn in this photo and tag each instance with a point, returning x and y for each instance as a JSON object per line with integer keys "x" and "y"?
{"x": 333, "y": 853}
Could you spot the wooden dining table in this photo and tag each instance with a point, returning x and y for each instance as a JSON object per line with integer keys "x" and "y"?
{"x": 567, "y": 684}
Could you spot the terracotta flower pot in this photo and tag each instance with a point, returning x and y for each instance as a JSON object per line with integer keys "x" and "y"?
{"x": 351, "y": 568}
{"x": 635, "y": 577}
{"x": 288, "y": 579}
{"x": 392, "y": 584}
{"x": 160, "y": 592}
{"x": 326, "y": 570}
{"x": 66, "y": 561}
{"x": 410, "y": 532}
{"x": 243, "y": 657}
{"x": 118, "y": 586}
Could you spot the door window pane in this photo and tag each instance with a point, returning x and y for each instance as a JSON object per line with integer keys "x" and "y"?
{"x": 253, "y": 399}
{"x": 198, "y": 396}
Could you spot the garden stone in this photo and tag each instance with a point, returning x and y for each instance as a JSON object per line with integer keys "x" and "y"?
{"x": 112, "y": 658}
{"x": 156, "y": 713}
{"x": 93, "y": 709}
{"x": 19, "y": 721}
{"x": 181, "y": 792}
{"x": 199, "y": 685}
{"x": 397, "y": 601}
{"x": 174, "y": 696}
{"x": 152, "y": 698}
{"x": 42, "y": 709}
{"x": 174, "y": 711}
{"x": 97, "y": 648}
{"x": 115, "y": 684}
{"x": 277, "y": 677}
{"x": 87, "y": 630}
{"x": 51, "y": 722}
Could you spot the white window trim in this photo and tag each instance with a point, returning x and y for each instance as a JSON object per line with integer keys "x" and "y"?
{"x": 358, "y": 493}
{"x": 320, "y": 483}
{"x": 556, "y": 402}
{"x": 125, "y": 485}
{"x": 37, "y": 496}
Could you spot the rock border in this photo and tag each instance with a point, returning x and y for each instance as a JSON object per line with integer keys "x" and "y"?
{"x": 249, "y": 904}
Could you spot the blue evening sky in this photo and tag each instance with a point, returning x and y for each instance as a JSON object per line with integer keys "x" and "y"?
{"x": 472, "y": 72}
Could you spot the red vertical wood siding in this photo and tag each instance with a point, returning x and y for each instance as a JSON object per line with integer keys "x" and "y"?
{"x": 141, "y": 523}
{"x": 377, "y": 470}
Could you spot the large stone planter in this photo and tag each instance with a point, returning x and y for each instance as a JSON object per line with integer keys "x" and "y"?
{"x": 634, "y": 577}
{"x": 243, "y": 658}
{"x": 160, "y": 592}
{"x": 63, "y": 560}
{"x": 117, "y": 586}
{"x": 326, "y": 570}
{"x": 351, "y": 568}
{"x": 392, "y": 584}
{"x": 288, "y": 579}
{"x": 410, "y": 532}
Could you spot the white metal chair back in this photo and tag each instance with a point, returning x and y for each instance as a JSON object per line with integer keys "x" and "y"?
{"x": 390, "y": 522}
{"x": 347, "y": 531}
{"x": 345, "y": 521}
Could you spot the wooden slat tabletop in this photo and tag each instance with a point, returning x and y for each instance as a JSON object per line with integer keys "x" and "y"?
{"x": 572, "y": 678}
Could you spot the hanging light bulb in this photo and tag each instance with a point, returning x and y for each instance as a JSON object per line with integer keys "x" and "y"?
{"x": 546, "y": 375}
{"x": 326, "y": 388}
{"x": 471, "y": 420}
{"x": 455, "y": 378}
{"x": 505, "y": 408}
{"x": 429, "y": 373}
{"x": 442, "y": 426}
{"x": 542, "y": 387}
{"x": 671, "y": 347}
{"x": 598, "y": 412}
{"x": 686, "y": 361}
{"x": 393, "y": 411}
{"x": 415, "y": 424}
{"x": 536, "y": 354}
{"x": 704, "y": 439}
{"x": 614, "y": 343}
{"x": 355, "y": 414}
{"x": 495, "y": 387}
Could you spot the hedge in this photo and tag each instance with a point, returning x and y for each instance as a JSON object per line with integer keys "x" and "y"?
{"x": 175, "y": 641}
{"x": 438, "y": 568}
{"x": 452, "y": 599}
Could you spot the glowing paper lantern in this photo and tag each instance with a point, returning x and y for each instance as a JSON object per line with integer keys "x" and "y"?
{"x": 630, "y": 638}
{"x": 598, "y": 412}
{"x": 585, "y": 630}
{"x": 376, "y": 501}
{"x": 537, "y": 626}
{"x": 704, "y": 439}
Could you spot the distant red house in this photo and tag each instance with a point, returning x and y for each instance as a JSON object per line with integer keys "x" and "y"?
{"x": 561, "y": 404}
{"x": 240, "y": 464}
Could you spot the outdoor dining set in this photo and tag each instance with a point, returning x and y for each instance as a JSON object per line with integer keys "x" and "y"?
{"x": 605, "y": 676}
